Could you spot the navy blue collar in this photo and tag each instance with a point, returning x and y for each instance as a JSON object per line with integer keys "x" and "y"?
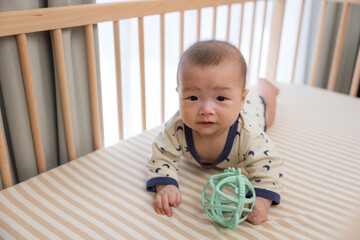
{"x": 225, "y": 153}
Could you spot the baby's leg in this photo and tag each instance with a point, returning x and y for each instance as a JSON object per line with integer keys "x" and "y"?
{"x": 269, "y": 92}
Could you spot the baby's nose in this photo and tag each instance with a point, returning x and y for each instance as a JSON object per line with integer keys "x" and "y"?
{"x": 207, "y": 109}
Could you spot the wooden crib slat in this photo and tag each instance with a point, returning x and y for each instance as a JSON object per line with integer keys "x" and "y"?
{"x": 262, "y": 38}
{"x": 356, "y": 77}
{"x": 274, "y": 46}
{"x": 162, "y": 54}
{"x": 31, "y": 101}
{"x": 241, "y": 23}
{"x": 228, "y": 23}
{"x": 214, "y": 22}
{"x": 252, "y": 36}
{"x": 118, "y": 78}
{"x": 64, "y": 93}
{"x": 198, "y": 24}
{"x": 142, "y": 70}
{"x": 94, "y": 98}
{"x": 318, "y": 44}
{"x": 181, "y": 40}
{"x": 338, "y": 47}
{"x": 4, "y": 162}
{"x": 298, "y": 39}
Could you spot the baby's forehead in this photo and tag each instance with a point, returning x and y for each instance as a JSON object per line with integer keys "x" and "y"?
{"x": 228, "y": 71}
{"x": 227, "y": 65}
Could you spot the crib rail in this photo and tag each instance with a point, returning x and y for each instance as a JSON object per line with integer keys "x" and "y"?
{"x": 20, "y": 23}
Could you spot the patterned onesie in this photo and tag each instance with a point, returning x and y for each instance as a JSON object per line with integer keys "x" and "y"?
{"x": 247, "y": 144}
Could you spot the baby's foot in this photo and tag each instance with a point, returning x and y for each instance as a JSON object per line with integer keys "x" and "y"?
{"x": 269, "y": 92}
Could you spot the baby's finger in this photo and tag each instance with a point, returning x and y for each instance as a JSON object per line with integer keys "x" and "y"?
{"x": 166, "y": 206}
{"x": 157, "y": 210}
{"x": 158, "y": 204}
{"x": 178, "y": 199}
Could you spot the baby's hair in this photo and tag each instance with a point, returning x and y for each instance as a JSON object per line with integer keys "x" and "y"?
{"x": 213, "y": 53}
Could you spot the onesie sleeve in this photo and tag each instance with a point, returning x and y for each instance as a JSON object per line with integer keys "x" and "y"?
{"x": 164, "y": 160}
{"x": 264, "y": 165}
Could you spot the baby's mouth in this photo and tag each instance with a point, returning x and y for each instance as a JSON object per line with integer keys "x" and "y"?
{"x": 206, "y": 123}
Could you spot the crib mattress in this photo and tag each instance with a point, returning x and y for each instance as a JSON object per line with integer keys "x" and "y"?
{"x": 102, "y": 195}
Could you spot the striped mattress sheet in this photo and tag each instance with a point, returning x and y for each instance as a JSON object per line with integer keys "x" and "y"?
{"x": 102, "y": 195}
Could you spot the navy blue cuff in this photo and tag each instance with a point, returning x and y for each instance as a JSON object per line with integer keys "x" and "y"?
{"x": 260, "y": 192}
{"x": 263, "y": 102}
{"x": 151, "y": 183}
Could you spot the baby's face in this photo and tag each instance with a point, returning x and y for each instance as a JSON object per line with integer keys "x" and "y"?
{"x": 210, "y": 97}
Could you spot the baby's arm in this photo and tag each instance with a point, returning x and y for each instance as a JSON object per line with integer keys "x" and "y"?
{"x": 264, "y": 166}
{"x": 166, "y": 196}
{"x": 163, "y": 166}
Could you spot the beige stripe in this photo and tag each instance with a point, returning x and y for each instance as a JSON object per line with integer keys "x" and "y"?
{"x": 35, "y": 216}
{"x": 97, "y": 205}
{"x": 343, "y": 132}
{"x": 303, "y": 208}
{"x": 102, "y": 186}
{"x": 49, "y": 212}
{"x": 269, "y": 212}
{"x": 260, "y": 229}
{"x": 128, "y": 191}
{"x": 197, "y": 208}
{"x": 338, "y": 160}
{"x": 78, "y": 205}
{"x": 316, "y": 234}
{"x": 334, "y": 196}
{"x": 282, "y": 204}
{"x": 317, "y": 173}
{"x": 273, "y": 214}
{"x": 297, "y": 228}
{"x": 323, "y": 186}
{"x": 320, "y": 163}
{"x": 305, "y": 222}
{"x": 193, "y": 207}
{"x": 10, "y": 230}
{"x": 330, "y": 139}
{"x": 320, "y": 132}
{"x": 22, "y": 222}
{"x": 201, "y": 231}
{"x": 338, "y": 157}
{"x": 271, "y": 227}
{"x": 315, "y": 203}
{"x": 60, "y": 203}
{"x": 299, "y": 210}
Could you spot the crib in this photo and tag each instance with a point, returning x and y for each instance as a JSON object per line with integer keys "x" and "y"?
{"x": 95, "y": 197}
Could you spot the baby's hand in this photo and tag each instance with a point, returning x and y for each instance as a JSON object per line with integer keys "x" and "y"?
{"x": 167, "y": 195}
{"x": 259, "y": 213}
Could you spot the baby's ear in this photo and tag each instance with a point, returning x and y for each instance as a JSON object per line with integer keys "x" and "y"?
{"x": 243, "y": 98}
{"x": 246, "y": 91}
{"x": 177, "y": 89}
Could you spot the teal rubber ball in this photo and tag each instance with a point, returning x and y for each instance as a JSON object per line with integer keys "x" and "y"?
{"x": 224, "y": 198}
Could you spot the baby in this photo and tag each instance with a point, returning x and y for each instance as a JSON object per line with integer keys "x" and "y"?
{"x": 217, "y": 125}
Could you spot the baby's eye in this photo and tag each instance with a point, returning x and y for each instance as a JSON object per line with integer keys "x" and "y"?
{"x": 221, "y": 98}
{"x": 192, "y": 98}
